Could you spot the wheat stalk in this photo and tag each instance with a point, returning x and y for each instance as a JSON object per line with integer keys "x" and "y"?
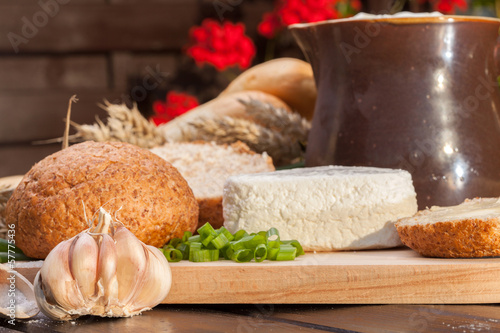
{"x": 280, "y": 133}
{"x": 282, "y": 138}
{"x": 123, "y": 124}
{"x": 290, "y": 124}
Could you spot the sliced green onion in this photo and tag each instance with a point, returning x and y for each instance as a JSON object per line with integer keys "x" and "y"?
{"x": 173, "y": 255}
{"x": 272, "y": 252}
{"x": 196, "y": 239}
{"x": 220, "y": 241}
{"x": 240, "y": 234}
{"x": 251, "y": 242}
{"x": 273, "y": 237}
{"x": 193, "y": 247}
{"x": 227, "y": 252}
{"x": 174, "y": 242}
{"x": 286, "y": 252}
{"x": 8, "y": 245}
{"x": 296, "y": 244}
{"x": 184, "y": 248}
{"x": 206, "y": 230}
{"x": 205, "y": 255}
{"x": 226, "y": 233}
{"x": 206, "y": 240}
{"x": 186, "y": 235}
{"x": 242, "y": 255}
{"x": 214, "y": 255}
{"x": 222, "y": 254}
{"x": 260, "y": 253}
{"x": 210, "y": 244}
{"x": 4, "y": 245}
{"x": 241, "y": 244}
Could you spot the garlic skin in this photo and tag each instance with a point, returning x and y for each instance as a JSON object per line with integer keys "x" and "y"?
{"x": 105, "y": 271}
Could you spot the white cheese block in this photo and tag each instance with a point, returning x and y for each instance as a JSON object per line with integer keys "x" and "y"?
{"x": 324, "y": 208}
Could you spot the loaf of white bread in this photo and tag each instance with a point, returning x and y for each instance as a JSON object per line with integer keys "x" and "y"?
{"x": 206, "y": 166}
{"x": 324, "y": 208}
{"x": 468, "y": 230}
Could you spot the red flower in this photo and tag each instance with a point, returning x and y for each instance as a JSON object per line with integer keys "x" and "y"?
{"x": 270, "y": 25}
{"x": 449, "y": 6}
{"x": 176, "y": 104}
{"x": 287, "y": 12}
{"x": 222, "y": 46}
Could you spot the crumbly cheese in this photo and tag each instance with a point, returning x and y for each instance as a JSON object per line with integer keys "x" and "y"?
{"x": 324, "y": 208}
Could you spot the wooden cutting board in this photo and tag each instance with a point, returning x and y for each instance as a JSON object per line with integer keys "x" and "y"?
{"x": 397, "y": 276}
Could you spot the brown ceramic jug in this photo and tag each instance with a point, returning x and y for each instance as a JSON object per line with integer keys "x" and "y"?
{"x": 420, "y": 94}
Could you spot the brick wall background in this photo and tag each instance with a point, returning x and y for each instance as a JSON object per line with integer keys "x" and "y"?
{"x": 128, "y": 50}
{"x": 120, "y": 50}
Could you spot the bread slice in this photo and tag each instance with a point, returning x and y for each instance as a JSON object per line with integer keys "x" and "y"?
{"x": 206, "y": 166}
{"x": 468, "y": 230}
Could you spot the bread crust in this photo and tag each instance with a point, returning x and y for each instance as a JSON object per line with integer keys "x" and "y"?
{"x": 242, "y": 148}
{"x": 289, "y": 79}
{"x": 139, "y": 188}
{"x": 211, "y": 212}
{"x": 467, "y": 238}
{"x": 211, "y": 207}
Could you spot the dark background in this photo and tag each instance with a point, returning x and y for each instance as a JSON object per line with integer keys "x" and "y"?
{"x": 119, "y": 50}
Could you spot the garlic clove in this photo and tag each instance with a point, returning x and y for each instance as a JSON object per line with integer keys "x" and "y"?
{"x": 56, "y": 273}
{"x": 107, "y": 270}
{"x": 52, "y": 311}
{"x": 131, "y": 264}
{"x": 83, "y": 264}
{"x": 156, "y": 283}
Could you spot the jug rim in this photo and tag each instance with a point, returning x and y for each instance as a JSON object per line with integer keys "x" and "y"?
{"x": 401, "y": 20}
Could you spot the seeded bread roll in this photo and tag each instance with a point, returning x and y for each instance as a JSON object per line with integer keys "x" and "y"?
{"x": 206, "y": 166}
{"x": 468, "y": 230}
{"x": 140, "y": 189}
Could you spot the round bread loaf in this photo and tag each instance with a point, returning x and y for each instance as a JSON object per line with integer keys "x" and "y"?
{"x": 58, "y": 196}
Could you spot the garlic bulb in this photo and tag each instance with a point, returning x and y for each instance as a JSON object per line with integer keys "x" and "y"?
{"x": 105, "y": 272}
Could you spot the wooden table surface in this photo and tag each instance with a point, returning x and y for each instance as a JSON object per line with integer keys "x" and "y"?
{"x": 281, "y": 318}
